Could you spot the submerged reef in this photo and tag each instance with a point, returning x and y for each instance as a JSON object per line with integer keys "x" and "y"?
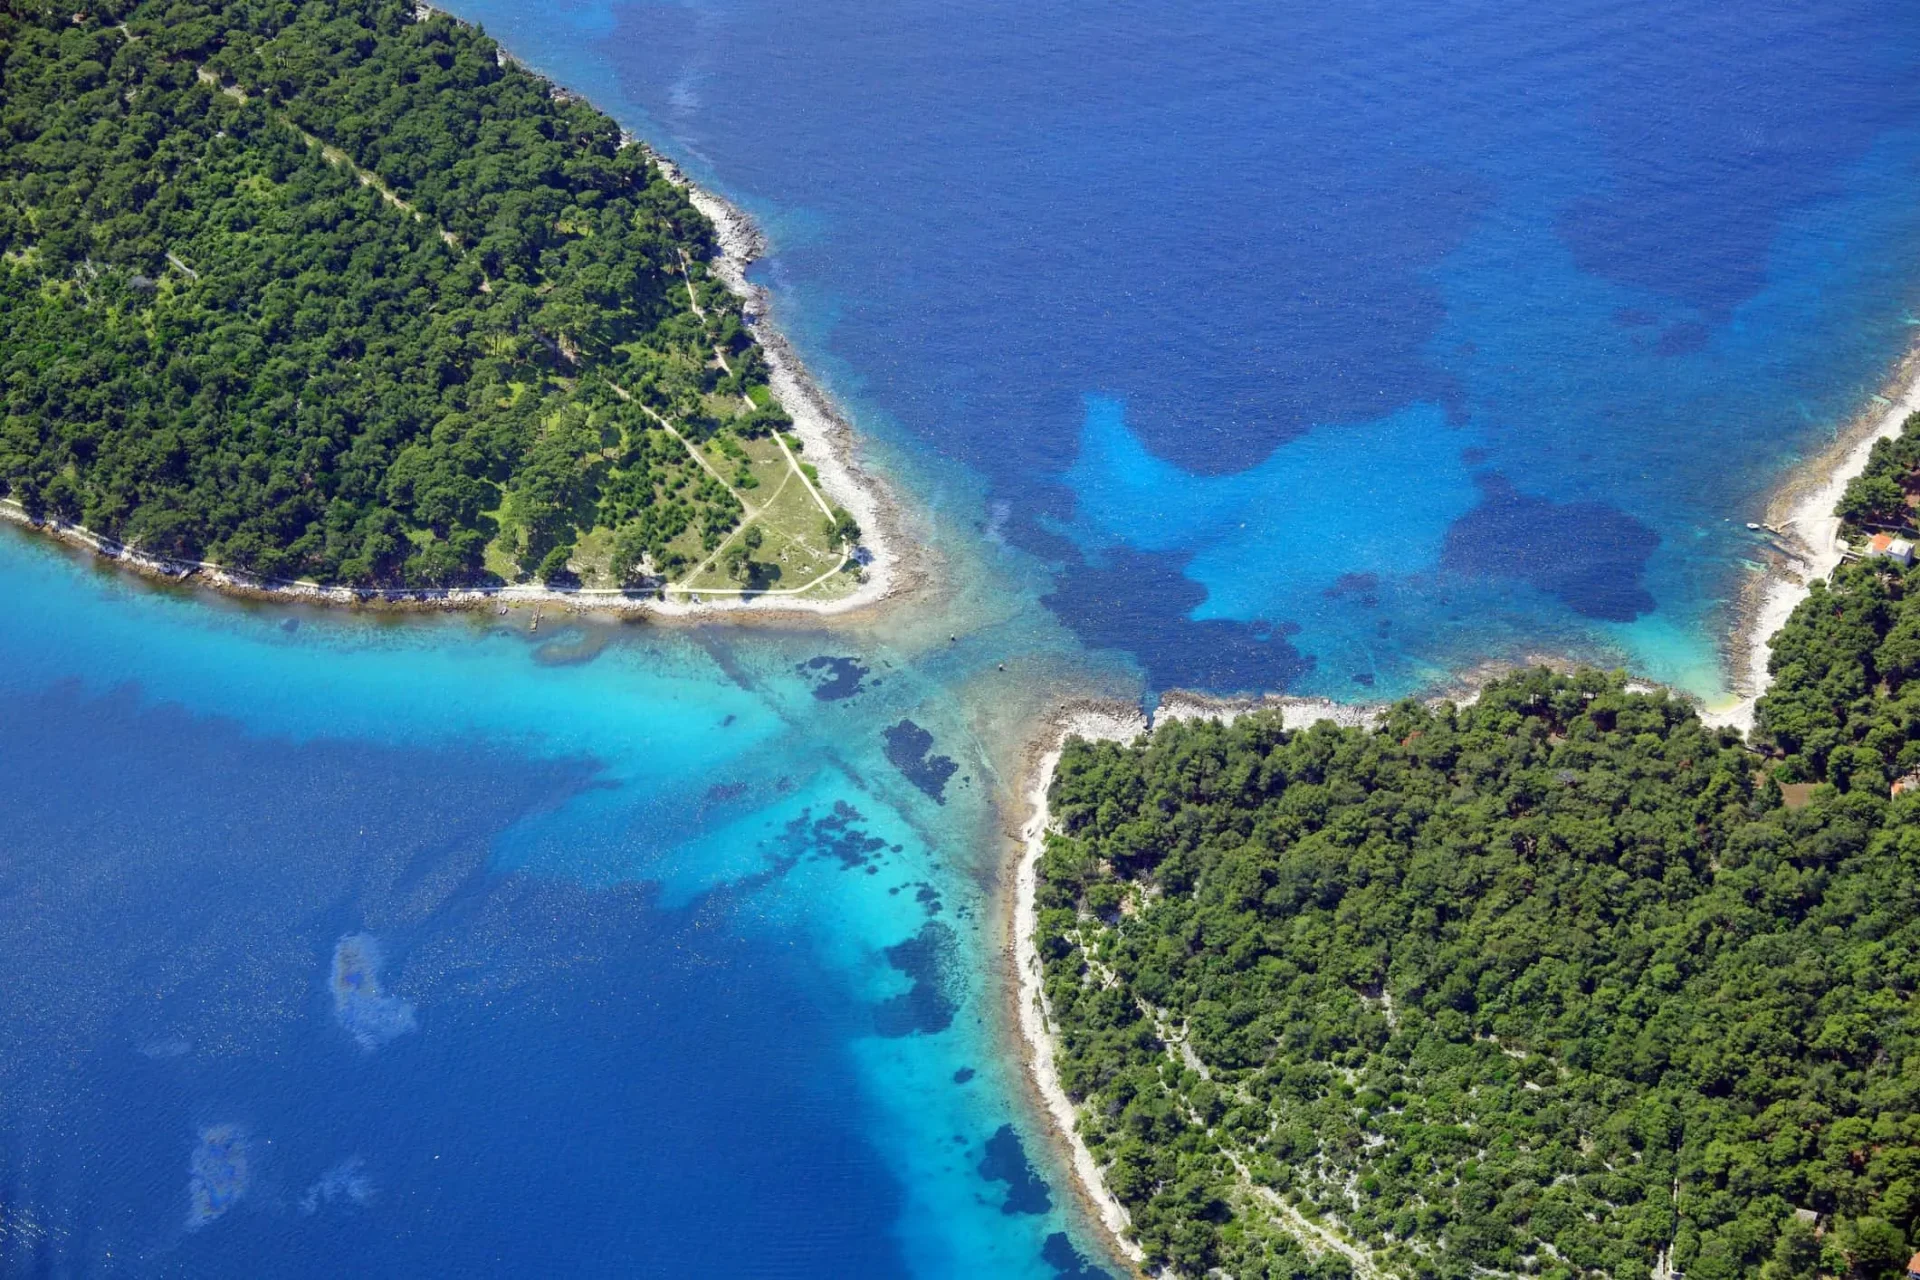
{"x": 909, "y": 749}
{"x": 834, "y": 679}
{"x": 1005, "y": 1160}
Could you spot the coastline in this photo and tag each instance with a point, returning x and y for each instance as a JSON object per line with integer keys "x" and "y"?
{"x": 1102, "y": 720}
{"x": 832, "y": 445}
{"x": 888, "y": 570}
{"x": 1295, "y": 713}
{"x": 629, "y": 603}
{"x": 1803, "y": 504}
{"x": 1099, "y": 721}
{"x": 1299, "y": 712}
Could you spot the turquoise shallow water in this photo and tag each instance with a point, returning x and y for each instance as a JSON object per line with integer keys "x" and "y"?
{"x": 671, "y": 959}
{"x": 1223, "y": 346}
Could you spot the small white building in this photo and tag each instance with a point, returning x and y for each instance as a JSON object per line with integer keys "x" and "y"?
{"x": 1884, "y": 546}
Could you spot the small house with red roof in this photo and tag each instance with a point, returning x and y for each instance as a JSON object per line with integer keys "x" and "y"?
{"x": 1884, "y": 546}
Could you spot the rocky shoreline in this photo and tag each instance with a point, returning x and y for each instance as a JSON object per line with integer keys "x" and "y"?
{"x": 831, "y": 442}
{"x": 1803, "y": 505}
{"x": 242, "y": 585}
{"x": 1099, "y": 721}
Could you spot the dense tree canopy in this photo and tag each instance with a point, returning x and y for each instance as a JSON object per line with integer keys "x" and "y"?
{"x": 332, "y": 289}
{"x": 1882, "y": 495}
{"x": 1556, "y": 984}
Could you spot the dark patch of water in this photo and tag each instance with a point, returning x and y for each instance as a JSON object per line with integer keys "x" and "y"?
{"x": 1588, "y": 554}
{"x": 1069, "y": 1263}
{"x": 927, "y": 959}
{"x": 722, "y": 793}
{"x": 1005, "y": 1160}
{"x": 1754, "y": 119}
{"x": 908, "y": 748}
{"x": 1141, "y": 601}
{"x": 1683, "y": 339}
{"x": 834, "y": 679}
{"x": 572, "y": 646}
{"x": 838, "y": 836}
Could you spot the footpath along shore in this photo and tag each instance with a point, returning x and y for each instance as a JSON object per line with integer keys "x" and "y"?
{"x": 1113, "y": 721}
{"x": 636, "y": 601}
{"x": 831, "y": 445}
{"x": 1100, "y": 721}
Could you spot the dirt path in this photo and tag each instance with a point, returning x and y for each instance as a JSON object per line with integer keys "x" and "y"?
{"x": 700, "y": 458}
{"x": 749, "y": 510}
{"x": 1314, "y": 1236}
{"x": 335, "y": 156}
{"x": 745, "y": 520}
{"x": 794, "y": 463}
{"x": 686, "y": 274}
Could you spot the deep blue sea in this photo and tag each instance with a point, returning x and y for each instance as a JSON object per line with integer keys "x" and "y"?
{"x": 1229, "y": 345}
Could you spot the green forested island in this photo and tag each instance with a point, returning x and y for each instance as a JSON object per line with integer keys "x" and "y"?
{"x": 1562, "y": 983}
{"x": 334, "y": 290}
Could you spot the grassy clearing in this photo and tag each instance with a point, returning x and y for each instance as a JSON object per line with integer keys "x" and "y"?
{"x": 793, "y": 550}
